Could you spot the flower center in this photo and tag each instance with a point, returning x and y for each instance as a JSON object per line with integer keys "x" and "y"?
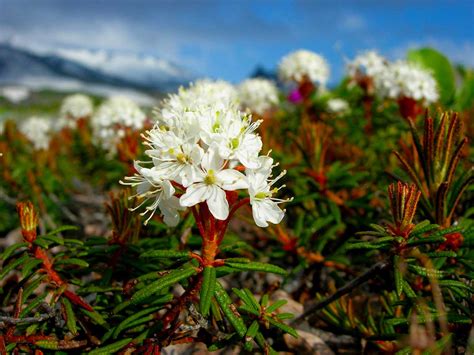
{"x": 182, "y": 158}
{"x": 210, "y": 178}
{"x": 235, "y": 143}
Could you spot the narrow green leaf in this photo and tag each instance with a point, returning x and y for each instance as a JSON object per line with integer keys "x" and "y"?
{"x": 70, "y": 316}
{"x": 112, "y": 348}
{"x": 286, "y": 328}
{"x": 398, "y": 275}
{"x": 164, "y": 282}
{"x": 32, "y": 305}
{"x": 127, "y": 322}
{"x": 12, "y": 265}
{"x": 71, "y": 261}
{"x": 253, "y": 329}
{"x": 207, "y": 289}
{"x": 425, "y": 272}
{"x": 96, "y": 317}
{"x": 275, "y": 306}
{"x": 29, "y": 265}
{"x": 229, "y": 310}
{"x": 257, "y": 266}
{"x": 11, "y": 249}
{"x": 165, "y": 254}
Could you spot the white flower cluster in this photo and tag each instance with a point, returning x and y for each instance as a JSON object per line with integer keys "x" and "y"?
{"x": 202, "y": 93}
{"x": 304, "y": 64}
{"x": 404, "y": 79}
{"x": 204, "y": 149}
{"x": 111, "y": 120}
{"x": 368, "y": 63}
{"x": 76, "y": 106}
{"x": 258, "y": 95}
{"x": 37, "y": 130}
{"x": 337, "y": 105}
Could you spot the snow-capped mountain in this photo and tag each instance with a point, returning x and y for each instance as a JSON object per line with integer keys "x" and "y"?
{"x": 70, "y": 68}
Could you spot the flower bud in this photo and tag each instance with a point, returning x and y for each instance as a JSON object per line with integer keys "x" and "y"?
{"x": 28, "y": 220}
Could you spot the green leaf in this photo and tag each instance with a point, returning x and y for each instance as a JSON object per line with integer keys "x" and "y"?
{"x": 32, "y": 305}
{"x": 30, "y": 265}
{"x": 455, "y": 283}
{"x": 398, "y": 275}
{"x": 423, "y": 227}
{"x": 426, "y": 240}
{"x": 367, "y": 245}
{"x": 112, "y": 348}
{"x": 286, "y": 328}
{"x": 253, "y": 329}
{"x": 170, "y": 279}
{"x": 257, "y": 266}
{"x": 441, "y": 69}
{"x": 465, "y": 95}
{"x": 248, "y": 300}
{"x": 275, "y": 306}
{"x": 207, "y": 289}
{"x": 229, "y": 310}
{"x": 165, "y": 254}
{"x": 408, "y": 290}
{"x": 128, "y": 322}
{"x": 70, "y": 316}
{"x": 425, "y": 272}
{"x": 12, "y": 265}
{"x": 71, "y": 261}
{"x": 442, "y": 254}
{"x": 11, "y": 249}
{"x": 96, "y": 317}
{"x": 48, "y": 344}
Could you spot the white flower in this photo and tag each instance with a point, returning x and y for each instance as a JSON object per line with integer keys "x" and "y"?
{"x": 258, "y": 95}
{"x": 199, "y": 144}
{"x": 211, "y": 183}
{"x": 15, "y": 94}
{"x": 151, "y": 185}
{"x": 37, "y": 130}
{"x": 404, "y": 79}
{"x": 368, "y": 63}
{"x": 173, "y": 156}
{"x": 76, "y": 106}
{"x": 337, "y": 105}
{"x": 111, "y": 120}
{"x": 233, "y": 133}
{"x": 264, "y": 206}
{"x": 203, "y": 93}
{"x": 302, "y": 63}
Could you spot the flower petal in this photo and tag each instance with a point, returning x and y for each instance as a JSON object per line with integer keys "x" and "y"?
{"x": 230, "y": 180}
{"x": 266, "y": 211}
{"x": 194, "y": 194}
{"x": 218, "y": 204}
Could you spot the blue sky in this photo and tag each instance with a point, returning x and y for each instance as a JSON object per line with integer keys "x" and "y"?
{"x": 228, "y": 39}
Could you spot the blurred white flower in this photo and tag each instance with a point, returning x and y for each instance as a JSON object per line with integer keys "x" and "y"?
{"x": 76, "y": 106}
{"x": 37, "y": 130}
{"x": 258, "y": 95}
{"x": 337, "y": 105}
{"x": 368, "y": 63}
{"x": 404, "y": 79}
{"x": 112, "y": 118}
{"x": 304, "y": 64}
{"x": 15, "y": 94}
